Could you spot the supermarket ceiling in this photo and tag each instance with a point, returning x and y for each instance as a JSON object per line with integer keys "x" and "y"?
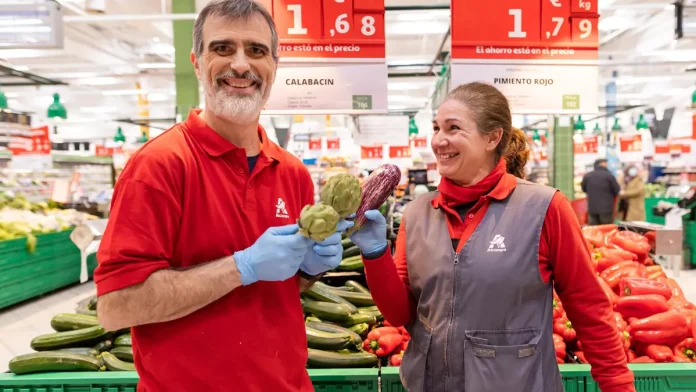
{"x": 104, "y": 61}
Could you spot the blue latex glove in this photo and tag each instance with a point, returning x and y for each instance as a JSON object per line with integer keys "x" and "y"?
{"x": 326, "y": 255}
{"x": 275, "y": 256}
{"x": 372, "y": 236}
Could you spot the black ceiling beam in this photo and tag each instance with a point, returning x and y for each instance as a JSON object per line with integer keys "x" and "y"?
{"x": 29, "y": 79}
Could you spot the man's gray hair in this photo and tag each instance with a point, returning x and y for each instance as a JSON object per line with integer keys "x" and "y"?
{"x": 233, "y": 10}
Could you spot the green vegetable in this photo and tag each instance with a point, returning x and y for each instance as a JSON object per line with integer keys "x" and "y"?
{"x": 105, "y": 345}
{"x": 53, "y": 361}
{"x": 124, "y": 340}
{"x": 357, "y": 287}
{"x": 351, "y": 252}
{"x": 312, "y": 319}
{"x": 58, "y": 340}
{"x": 347, "y": 243}
{"x": 351, "y": 264}
{"x": 320, "y": 293}
{"x": 361, "y": 329}
{"x": 114, "y": 364}
{"x": 81, "y": 350}
{"x": 343, "y": 193}
{"x": 327, "y": 340}
{"x": 359, "y": 319}
{"x": 327, "y": 359}
{"x": 328, "y": 311}
{"x": 70, "y": 321}
{"x": 124, "y": 353}
{"x": 356, "y": 339}
{"x": 318, "y": 221}
{"x": 92, "y": 304}
{"x": 357, "y": 299}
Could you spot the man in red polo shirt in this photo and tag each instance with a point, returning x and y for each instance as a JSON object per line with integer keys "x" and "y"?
{"x": 201, "y": 254}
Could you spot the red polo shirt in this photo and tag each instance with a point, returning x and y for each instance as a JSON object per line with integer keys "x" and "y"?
{"x": 186, "y": 198}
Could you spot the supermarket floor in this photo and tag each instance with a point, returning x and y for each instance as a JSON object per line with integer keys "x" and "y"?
{"x": 21, "y": 323}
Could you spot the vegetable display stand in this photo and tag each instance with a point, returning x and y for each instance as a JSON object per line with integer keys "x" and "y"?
{"x": 55, "y": 263}
{"x": 324, "y": 380}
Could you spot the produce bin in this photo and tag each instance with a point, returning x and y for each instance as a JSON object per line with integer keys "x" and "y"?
{"x": 324, "y": 380}
{"x": 54, "y": 264}
{"x": 650, "y": 203}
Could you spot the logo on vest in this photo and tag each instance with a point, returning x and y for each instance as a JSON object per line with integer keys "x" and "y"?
{"x": 498, "y": 244}
{"x": 281, "y": 211}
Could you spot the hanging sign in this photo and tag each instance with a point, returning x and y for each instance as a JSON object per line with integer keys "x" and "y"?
{"x": 631, "y": 147}
{"x": 36, "y": 143}
{"x": 102, "y": 151}
{"x": 586, "y": 145}
{"x": 542, "y": 54}
{"x": 420, "y": 142}
{"x": 370, "y": 152}
{"x": 333, "y": 57}
{"x": 315, "y": 145}
{"x": 333, "y": 144}
{"x": 399, "y": 151}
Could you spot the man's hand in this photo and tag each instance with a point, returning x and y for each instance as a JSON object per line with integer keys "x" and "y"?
{"x": 326, "y": 255}
{"x": 372, "y": 236}
{"x": 275, "y": 256}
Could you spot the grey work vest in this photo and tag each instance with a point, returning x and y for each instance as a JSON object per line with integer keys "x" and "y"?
{"x": 484, "y": 315}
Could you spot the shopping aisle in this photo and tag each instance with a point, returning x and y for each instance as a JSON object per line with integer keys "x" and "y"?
{"x": 21, "y": 323}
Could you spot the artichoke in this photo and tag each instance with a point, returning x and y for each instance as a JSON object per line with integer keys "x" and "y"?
{"x": 342, "y": 192}
{"x": 318, "y": 221}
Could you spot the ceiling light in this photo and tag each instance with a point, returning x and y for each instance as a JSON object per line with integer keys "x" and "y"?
{"x": 98, "y": 109}
{"x": 156, "y": 65}
{"x": 157, "y": 97}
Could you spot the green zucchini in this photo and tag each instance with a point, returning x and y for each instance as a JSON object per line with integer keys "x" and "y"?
{"x": 351, "y": 264}
{"x": 58, "y": 340}
{"x": 70, "y": 321}
{"x": 347, "y": 243}
{"x": 124, "y": 353}
{"x": 376, "y": 313}
{"x": 356, "y": 340}
{"x": 359, "y": 319}
{"x": 92, "y": 304}
{"x": 124, "y": 340}
{"x": 327, "y": 359}
{"x": 361, "y": 329}
{"x": 342, "y": 288}
{"x": 328, "y": 311}
{"x": 319, "y": 293}
{"x": 81, "y": 350}
{"x": 350, "y": 252}
{"x": 357, "y": 287}
{"x": 104, "y": 345}
{"x": 311, "y": 319}
{"x": 327, "y": 340}
{"x": 372, "y": 308}
{"x": 114, "y": 364}
{"x": 53, "y": 361}
{"x": 357, "y": 299}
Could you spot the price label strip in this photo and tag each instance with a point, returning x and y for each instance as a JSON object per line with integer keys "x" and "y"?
{"x": 332, "y": 57}
{"x": 542, "y": 54}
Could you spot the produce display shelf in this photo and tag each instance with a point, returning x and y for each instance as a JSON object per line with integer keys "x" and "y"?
{"x": 324, "y": 380}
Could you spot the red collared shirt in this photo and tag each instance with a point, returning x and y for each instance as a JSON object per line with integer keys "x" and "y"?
{"x": 186, "y": 198}
{"x": 563, "y": 257}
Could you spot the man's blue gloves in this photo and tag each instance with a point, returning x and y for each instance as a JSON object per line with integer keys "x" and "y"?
{"x": 275, "y": 256}
{"x": 372, "y": 236}
{"x": 326, "y": 255}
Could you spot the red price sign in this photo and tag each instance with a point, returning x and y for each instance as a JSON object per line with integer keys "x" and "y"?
{"x": 315, "y": 145}
{"x": 631, "y": 143}
{"x": 662, "y": 148}
{"x": 588, "y": 145}
{"x": 420, "y": 142}
{"x": 38, "y": 143}
{"x": 399, "y": 152}
{"x": 102, "y": 151}
{"x": 371, "y": 152}
{"x": 333, "y": 144}
{"x": 555, "y": 25}
{"x": 330, "y": 28}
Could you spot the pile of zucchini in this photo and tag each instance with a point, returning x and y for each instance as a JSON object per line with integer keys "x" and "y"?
{"x": 338, "y": 319}
{"x": 352, "y": 261}
{"x": 79, "y": 344}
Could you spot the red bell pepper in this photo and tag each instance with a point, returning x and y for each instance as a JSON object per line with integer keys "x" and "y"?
{"x": 559, "y": 361}
{"x": 630, "y": 355}
{"x": 593, "y": 237}
{"x": 659, "y": 353}
{"x": 609, "y": 271}
{"x": 656, "y": 275}
{"x": 674, "y": 286}
{"x": 649, "y": 262}
{"x": 686, "y": 349}
{"x": 641, "y": 306}
{"x": 581, "y": 356}
{"x": 559, "y": 345}
{"x": 404, "y": 346}
{"x": 608, "y": 291}
{"x": 676, "y": 359}
{"x": 395, "y": 359}
{"x": 643, "y": 360}
{"x": 557, "y": 309}
{"x": 623, "y": 253}
{"x": 689, "y": 314}
{"x": 640, "y": 286}
{"x": 626, "y": 340}
{"x": 564, "y": 328}
{"x": 632, "y": 242}
{"x": 667, "y": 328}
{"x": 372, "y": 343}
{"x": 605, "y": 228}
{"x": 621, "y": 324}
{"x": 404, "y": 333}
{"x": 387, "y": 344}
{"x": 578, "y": 344}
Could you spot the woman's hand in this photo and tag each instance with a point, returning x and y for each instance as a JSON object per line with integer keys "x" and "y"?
{"x": 371, "y": 238}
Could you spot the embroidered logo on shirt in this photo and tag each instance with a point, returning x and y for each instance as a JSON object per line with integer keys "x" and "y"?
{"x": 281, "y": 212}
{"x": 498, "y": 244}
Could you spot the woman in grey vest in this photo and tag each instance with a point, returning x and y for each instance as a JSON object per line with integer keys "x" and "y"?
{"x": 476, "y": 262}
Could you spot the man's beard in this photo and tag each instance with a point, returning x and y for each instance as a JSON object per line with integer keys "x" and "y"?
{"x": 240, "y": 108}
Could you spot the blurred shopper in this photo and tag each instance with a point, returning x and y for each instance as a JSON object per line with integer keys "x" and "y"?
{"x": 634, "y": 195}
{"x": 476, "y": 263}
{"x": 602, "y": 189}
{"x": 201, "y": 254}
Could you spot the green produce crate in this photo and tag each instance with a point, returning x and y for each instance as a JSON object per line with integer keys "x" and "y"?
{"x": 54, "y": 264}
{"x": 324, "y": 380}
